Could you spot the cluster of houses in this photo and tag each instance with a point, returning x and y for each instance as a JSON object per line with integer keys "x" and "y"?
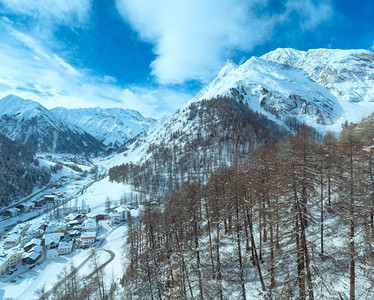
{"x": 28, "y": 243}
{"x": 51, "y": 200}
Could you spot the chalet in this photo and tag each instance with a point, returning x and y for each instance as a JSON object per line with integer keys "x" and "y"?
{"x": 90, "y": 225}
{"x": 37, "y": 248}
{"x": 32, "y": 244}
{"x": 31, "y": 257}
{"x": 9, "y": 259}
{"x": 26, "y": 239}
{"x": 88, "y": 238}
{"x": 78, "y": 217}
{"x": 114, "y": 218}
{"x": 12, "y": 212}
{"x": 12, "y": 241}
{"x": 49, "y": 198}
{"x": 56, "y": 228}
{"x": 74, "y": 233}
{"x": 52, "y": 253}
{"x": 124, "y": 212}
{"x": 26, "y": 206}
{"x": 98, "y": 216}
{"x": 65, "y": 248}
{"x": 52, "y": 240}
{"x": 73, "y": 223}
{"x": 40, "y": 202}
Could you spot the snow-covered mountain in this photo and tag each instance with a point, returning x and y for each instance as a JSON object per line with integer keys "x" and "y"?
{"x": 33, "y": 125}
{"x": 321, "y": 87}
{"x": 112, "y": 126}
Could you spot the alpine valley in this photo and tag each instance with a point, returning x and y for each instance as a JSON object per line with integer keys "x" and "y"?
{"x": 260, "y": 187}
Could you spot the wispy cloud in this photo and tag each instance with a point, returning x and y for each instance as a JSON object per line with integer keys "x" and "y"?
{"x": 68, "y": 12}
{"x": 193, "y": 38}
{"x": 312, "y": 13}
{"x": 30, "y": 70}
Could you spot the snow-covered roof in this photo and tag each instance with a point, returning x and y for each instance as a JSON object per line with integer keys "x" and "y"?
{"x": 6, "y": 254}
{"x": 65, "y": 245}
{"x": 12, "y": 238}
{"x": 13, "y": 209}
{"x": 87, "y": 235}
{"x": 114, "y": 215}
{"x": 33, "y": 255}
{"x": 90, "y": 224}
{"x": 121, "y": 209}
{"x": 37, "y": 248}
{"x": 33, "y": 242}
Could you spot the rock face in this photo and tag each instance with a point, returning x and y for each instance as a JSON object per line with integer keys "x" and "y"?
{"x": 34, "y": 126}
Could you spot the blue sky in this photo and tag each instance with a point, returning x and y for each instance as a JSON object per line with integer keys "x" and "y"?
{"x": 154, "y": 55}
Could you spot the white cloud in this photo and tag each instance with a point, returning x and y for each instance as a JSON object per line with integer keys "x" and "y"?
{"x": 68, "y": 12}
{"x": 311, "y": 13}
{"x": 193, "y": 38}
{"x": 30, "y": 70}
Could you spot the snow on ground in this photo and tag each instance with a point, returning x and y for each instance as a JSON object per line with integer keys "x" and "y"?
{"x": 97, "y": 193}
{"x": 44, "y": 275}
{"x": 115, "y": 242}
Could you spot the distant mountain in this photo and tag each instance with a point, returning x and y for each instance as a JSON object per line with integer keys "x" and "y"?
{"x": 31, "y": 124}
{"x": 20, "y": 172}
{"x": 112, "y": 126}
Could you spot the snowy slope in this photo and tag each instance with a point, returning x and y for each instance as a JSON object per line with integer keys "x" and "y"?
{"x": 323, "y": 88}
{"x": 348, "y": 74}
{"x": 33, "y": 125}
{"x": 112, "y": 126}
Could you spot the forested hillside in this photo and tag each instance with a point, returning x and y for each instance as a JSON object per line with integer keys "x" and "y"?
{"x": 295, "y": 221}
{"x": 204, "y": 137}
{"x": 19, "y": 171}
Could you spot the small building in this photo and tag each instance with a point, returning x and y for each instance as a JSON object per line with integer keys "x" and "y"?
{"x": 124, "y": 212}
{"x": 98, "y": 216}
{"x": 31, "y": 258}
{"x": 27, "y": 238}
{"x": 73, "y": 223}
{"x": 34, "y": 242}
{"x": 65, "y": 247}
{"x": 37, "y": 248}
{"x": 88, "y": 238}
{"x": 51, "y": 253}
{"x": 52, "y": 240}
{"x": 90, "y": 225}
{"x": 49, "y": 198}
{"x": 74, "y": 233}
{"x": 56, "y": 228}
{"x": 12, "y": 241}
{"x": 9, "y": 259}
{"x": 26, "y": 206}
{"x": 114, "y": 218}
{"x": 12, "y": 212}
{"x": 40, "y": 202}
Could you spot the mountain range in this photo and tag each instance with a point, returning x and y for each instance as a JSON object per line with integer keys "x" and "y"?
{"x": 61, "y": 130}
